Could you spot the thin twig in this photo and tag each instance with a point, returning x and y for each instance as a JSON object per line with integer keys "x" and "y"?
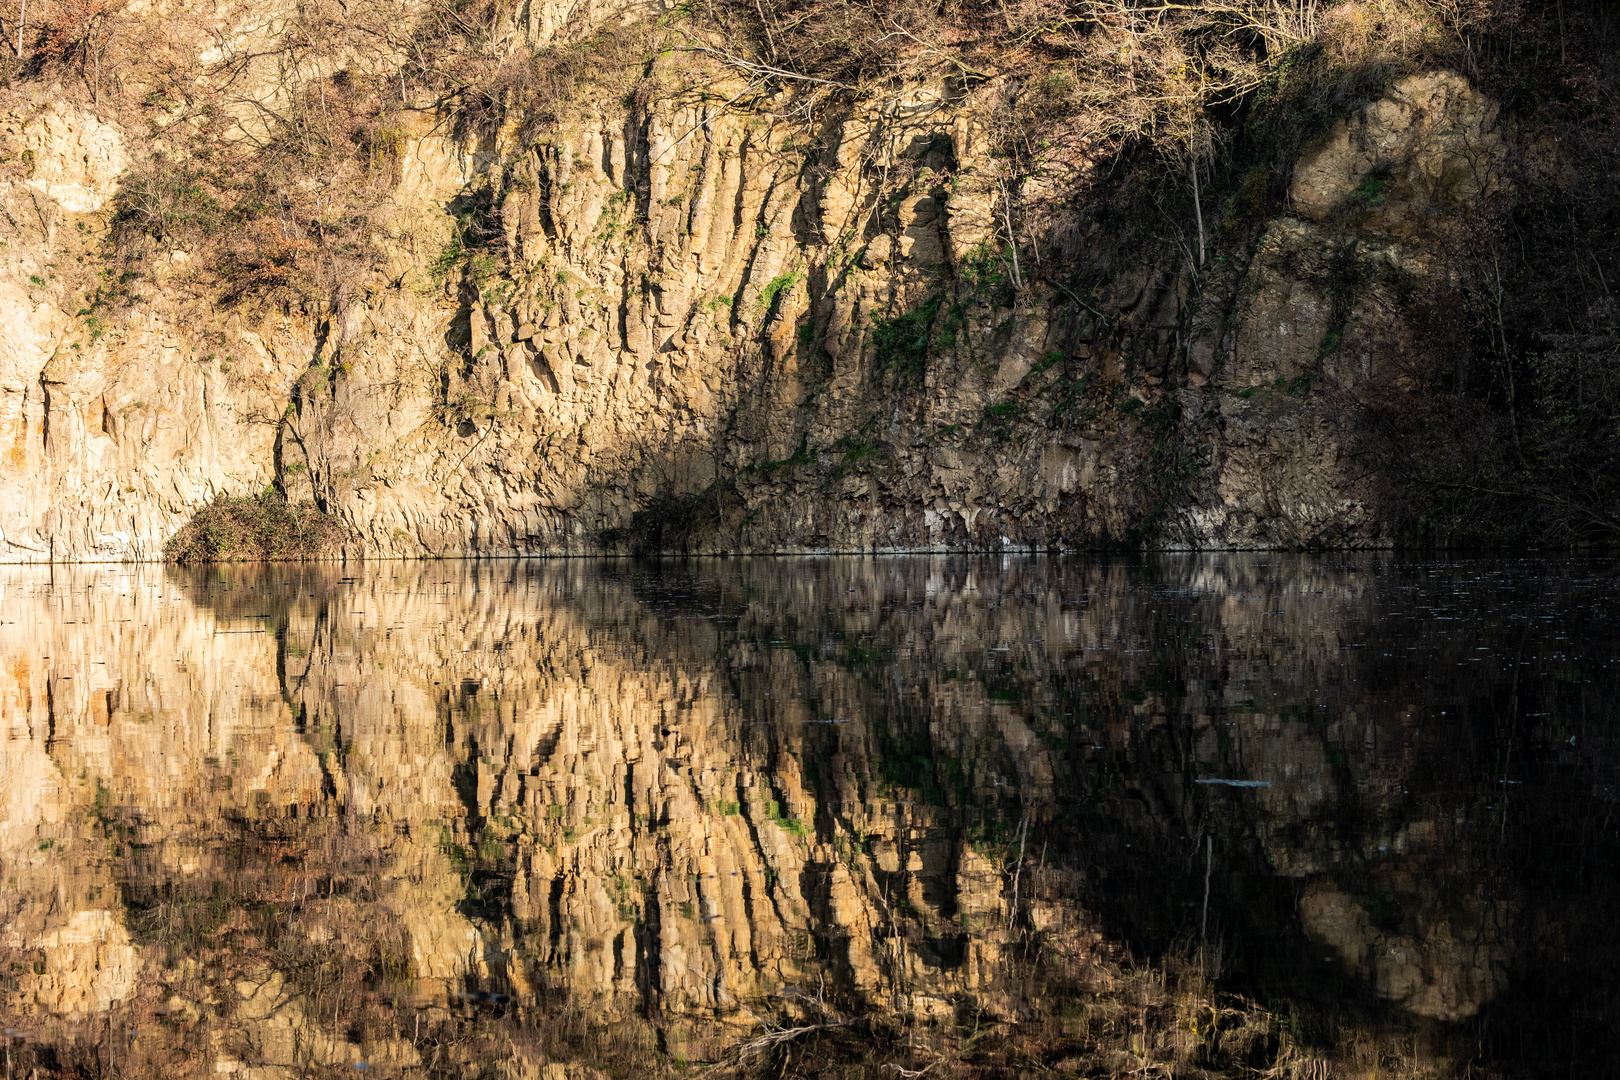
{"x": 772, "y": 1039}
{"x": 1209, "y": 862}
{"x": 765, "y": 69}
{"x": 707, "y": 117}
{"x": 1023, "y": 831}
{"x": 1012, "y": 237}
{"x": 766, "y": 23}
{"x": 930, "y": 47}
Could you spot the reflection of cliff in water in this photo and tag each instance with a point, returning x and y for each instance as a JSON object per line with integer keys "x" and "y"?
{"x": 701, "y": 800}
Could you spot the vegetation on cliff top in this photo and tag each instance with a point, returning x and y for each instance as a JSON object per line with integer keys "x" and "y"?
{"x": 270, "y": 159}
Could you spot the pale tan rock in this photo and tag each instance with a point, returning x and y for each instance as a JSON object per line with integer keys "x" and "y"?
{"x": 1438, "y": 976}
{"x": 686, "y": 306}
{"x": 77, "y": 159}
{"x": 1432, "y": 135}
{"x": 90, "y": 965}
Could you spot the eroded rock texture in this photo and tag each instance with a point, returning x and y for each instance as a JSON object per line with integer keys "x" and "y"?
{"x": 705, "y": 322}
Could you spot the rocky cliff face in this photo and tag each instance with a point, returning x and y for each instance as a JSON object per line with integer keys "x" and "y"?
{"x": 299, "y": 821}
{"x": 697, "y": 319}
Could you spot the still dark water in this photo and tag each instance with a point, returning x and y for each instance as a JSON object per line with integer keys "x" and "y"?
{"x": 1178, "y": 816}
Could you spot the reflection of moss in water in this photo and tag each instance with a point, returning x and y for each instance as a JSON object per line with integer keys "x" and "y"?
{"x": 1053, "y": 742}
{"x": 992, "y": 833}
{"x": 624, "y": 899}
{"x": 804, "y": 652}
{"x": 847, "y": 650}
{"x": 460, "y": 857}
{"x": 1383, "y": 909}
{"x": 1006, "y": 691}
{"x": 910, "y": 766}
{"x": 792, "y": 825}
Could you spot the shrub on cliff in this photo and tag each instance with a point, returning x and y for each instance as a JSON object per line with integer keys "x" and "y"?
{"x": 255, "y": 528}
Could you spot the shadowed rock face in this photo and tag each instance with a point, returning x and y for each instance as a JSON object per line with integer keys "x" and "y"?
{"x": 697, "y": 798}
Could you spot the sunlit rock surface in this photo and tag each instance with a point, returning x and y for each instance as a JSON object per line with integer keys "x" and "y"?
{"x": 692, "y": 303}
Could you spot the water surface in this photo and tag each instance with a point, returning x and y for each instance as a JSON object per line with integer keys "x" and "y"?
{"x": 1177, "y": 816}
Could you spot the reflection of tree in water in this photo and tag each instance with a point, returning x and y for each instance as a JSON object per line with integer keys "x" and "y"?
{"x": 953, "y": 803}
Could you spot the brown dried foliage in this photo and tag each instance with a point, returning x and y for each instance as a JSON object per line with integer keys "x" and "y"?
{"x": 255, "y": 529}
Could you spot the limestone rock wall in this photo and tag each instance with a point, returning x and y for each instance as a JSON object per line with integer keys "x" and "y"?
{"x": 706, "y": 322}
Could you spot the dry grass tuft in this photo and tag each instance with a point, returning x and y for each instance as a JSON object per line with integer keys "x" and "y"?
{"x": 257, "y": 528}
